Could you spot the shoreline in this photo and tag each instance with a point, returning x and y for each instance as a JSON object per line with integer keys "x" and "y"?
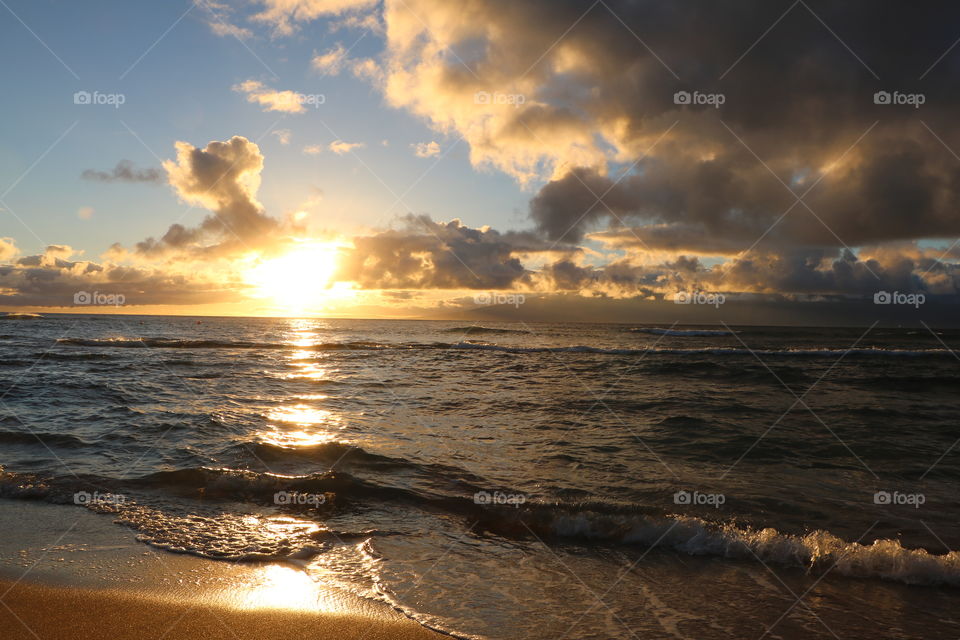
{"x": 67, "y": 573}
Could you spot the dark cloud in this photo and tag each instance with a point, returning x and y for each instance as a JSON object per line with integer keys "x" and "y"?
{"x": 52, "y": 279}
{"x": 125, "y": 172}
{"x": 628, "y": 161}
{"x": 424, "y": 254}
{"x": 224, "y": 178}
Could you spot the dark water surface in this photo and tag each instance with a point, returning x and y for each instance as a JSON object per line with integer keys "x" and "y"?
{"x": 519, "y": 481}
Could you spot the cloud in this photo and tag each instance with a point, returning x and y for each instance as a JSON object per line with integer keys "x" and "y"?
{"x": 367, "y": 69}
{"x": 628, "y": 160}
{"x": 332, "y": 62}
{"x": 84, "y": 213}
{"x": 426, "y": 149}
{"x": 224, "y": 178}
{"x": 284, "y": 15}
{"x": 47, "y": 281}
{"x": 313, "y": 149}
{"x": 219, "y": 21}
{"x": 271, "y": 100}
{"x": 124, "y": 172}
{"x": 8, "y": 248}
{"x": 222, "y": 29}
{"x": 283, "y": 135}
{"x": 424, "y": 254}
{"x": 366, "y": 21}
{"x": 340, "y": 147}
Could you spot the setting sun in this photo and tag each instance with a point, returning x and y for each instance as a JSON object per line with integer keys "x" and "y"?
{"x": 297, "y": 281}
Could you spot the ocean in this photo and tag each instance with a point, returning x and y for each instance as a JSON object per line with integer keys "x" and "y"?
{"x": 518, "y": 480}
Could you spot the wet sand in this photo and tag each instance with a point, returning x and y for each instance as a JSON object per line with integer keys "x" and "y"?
{"x": 69, "y": 574}
{"x": 34, "y": 611}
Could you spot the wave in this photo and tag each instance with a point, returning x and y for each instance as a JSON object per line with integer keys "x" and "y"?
{"x": 475, "y": 329}
{"x": 20, "y": 316}
{"x": 329, "y": 452}
{"x": 681, "y": 332}
{"x": 48, "y": 439}
{"x": 210, "y": 531}
{"x": 176, "y": 343}
{"x": 171, "y": 343}
{"x": 70, "y": 357}
{"x": 816, "y": 551}
{"x": 732, "y": 351}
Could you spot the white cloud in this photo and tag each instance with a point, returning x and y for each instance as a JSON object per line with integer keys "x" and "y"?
{"x": 271, "y": 100}
{"x": 283, "y": 135}
{"x": 340, "y": 147}
{"x": 85, "y": 213}
{"x": 369, "y": 21}
{"x": 219, "y": 23}
{"x": 285, "y": 14}
{"x": 8, "y": 248}
{"x": 367, "y": 69}
{"x": 426, "y": 149}
{"x": 223, "y": 29}
{"x": 332, "y": 62}
{"x": 313, "y": 149}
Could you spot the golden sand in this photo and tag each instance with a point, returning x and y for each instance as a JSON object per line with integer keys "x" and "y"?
{"x": 31, "y": 611}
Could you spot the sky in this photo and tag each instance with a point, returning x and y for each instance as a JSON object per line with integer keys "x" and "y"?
{"x": 615, "y": 160}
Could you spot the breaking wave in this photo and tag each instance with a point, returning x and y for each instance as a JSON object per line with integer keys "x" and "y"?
{"x": 205, "y": 530}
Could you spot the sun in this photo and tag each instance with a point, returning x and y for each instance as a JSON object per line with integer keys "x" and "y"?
{"x": 299, "y": 280}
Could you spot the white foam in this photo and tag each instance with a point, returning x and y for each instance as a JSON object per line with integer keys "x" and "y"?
{"x": 820, "y": 550}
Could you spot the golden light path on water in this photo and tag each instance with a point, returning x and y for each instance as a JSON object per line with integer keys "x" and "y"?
{"x": 303, "y": 424}
{"x": 300, "y": 424}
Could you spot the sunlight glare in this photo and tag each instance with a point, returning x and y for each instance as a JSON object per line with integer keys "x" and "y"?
{"x": 297, "y": 281}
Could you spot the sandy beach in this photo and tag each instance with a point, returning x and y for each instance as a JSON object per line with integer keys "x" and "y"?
{"x": 31, "y": 611}
{"x": 69, "y": 574}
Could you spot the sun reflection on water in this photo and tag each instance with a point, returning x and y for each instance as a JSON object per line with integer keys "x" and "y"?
{"x": 301, "y": 426}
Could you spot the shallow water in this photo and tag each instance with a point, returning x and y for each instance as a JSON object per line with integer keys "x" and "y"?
{"x": 509, "y": 481}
